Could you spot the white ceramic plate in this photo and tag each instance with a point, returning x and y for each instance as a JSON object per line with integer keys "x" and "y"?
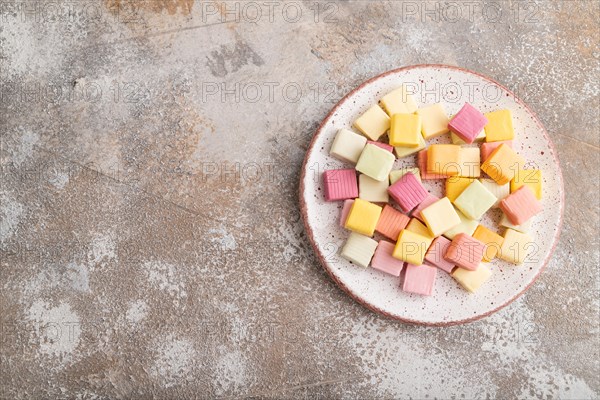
{"x": 449, "y": 304}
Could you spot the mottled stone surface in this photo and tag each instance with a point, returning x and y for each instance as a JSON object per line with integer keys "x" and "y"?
{"x": 151, "y": 241}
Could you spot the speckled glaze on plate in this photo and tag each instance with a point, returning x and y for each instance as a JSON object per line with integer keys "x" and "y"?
{"x": 449, "y": 304}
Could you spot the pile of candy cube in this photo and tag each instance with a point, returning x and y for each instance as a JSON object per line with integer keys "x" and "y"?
{"x": 417, "y": 230}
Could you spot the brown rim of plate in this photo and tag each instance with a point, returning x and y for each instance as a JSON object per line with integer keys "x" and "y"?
{"x": 356, "y": 297}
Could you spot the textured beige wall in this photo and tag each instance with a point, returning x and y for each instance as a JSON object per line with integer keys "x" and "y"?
{"x": 151, "y": 242}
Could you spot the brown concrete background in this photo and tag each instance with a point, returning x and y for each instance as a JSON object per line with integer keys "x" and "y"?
{"x": 151, "y": 241}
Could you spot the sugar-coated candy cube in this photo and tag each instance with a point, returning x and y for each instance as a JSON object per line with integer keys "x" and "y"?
{"x": 382, "y": 145}
{"x": 491, "y": 240}
{"x": 429, "y": 200}
{"x": 403, "y": 151}
{"x": 489, "y": 147}
{"x": 391, "y": 222}
{"x": 375, "y": 162}
{"x": 411, "y": 247}
{"x": 435, "y": 254}
{"x": 347, "y": 146}
{"x": 419, "y": 279}
{"x": 468, "y": 162}
{"x": 528, "y": 177}
{"x": 516, "y": 246}
{"x": 475, "y": 200}
{"x": 465, "y": 251}
{"x": 472, "y": 280}
{"x": 434, "y": 120}
{"x": 499, "y": 191}
{"x": 345, "y": 211}
{"x": 455, "y": 186}
{"x": 373, "y": 123}
{"x": 422, "y": 161}
{"x": 440, "y": 216}
{"x": 399, "y": 173}
{"x": 363, "y": 217}
{"x": 499, "y": 126}
{"x": 383, "y": 260}
{"x": 416, "y": 226}
{"x": 467, "y": 123}
{"x": 359, "y": 249}
{"x": 371, "y": 190}
{"x": 443, "y": 159}
{"x": 502, "y": 164}
{"x": 405, "y": 130}
{"x": 521, "y": 205}
{"x": 398, "y": 101}
{"x": 408, "y": 192}
{"x": 524, "y": 228}
{"x": 466, "y": 225}
{"x": 457, "y": 140}
{"x": 340, "y": 184}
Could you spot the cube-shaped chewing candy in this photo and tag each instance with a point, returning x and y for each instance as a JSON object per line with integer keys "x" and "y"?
{"x": 382, "y": 145}
{"x": 466, "y": 225}
{"x": 435, "y": 254}
{"x": 457, "y": 140}
{"x": 491, "y": 240}
{"x": 468, "y": 162}
{"x": 529, "y": 177}
{"x": 405, "y": 130}
{"x": 502, "y": 164}
{"x": 371, "y": 190}
{"x": 465, "y": 251}
{"x": 434, "y": 120}
{"x": 472, "y": 280}
{"x": 399, "y": 101}
{"x": 499, "y": 191}
{"x": 422, "y": 161}
{"x": 345, "y": 211}
{"x": 411, "y": 247}
{"x": 383, "y": 260}
{"x": 499, "y": 126}
{"x": 416, "y": 226}
{"x": 455, "y": 186}
{"x": 399, "y": 173}
{"x": 340, "y": 184}
{"x": 419, "y": 279}
{"x": 521, "y": 205}
{"x": 475, "y": 200}
{"x": 443, "y": 159}
{"x": 408, "y": 192}
{"x": 363, "y": 217}
{"x": 467, "y": 123}
{"x": 440, "y": 216}
{"x": 375, "y": 162}
{"x": 429, "y": 200}
{"x": 489, "y": 147}
{"x": 347, "y": 146}
{"x": 359, "y": 249}
{"x": 391, "y": 222}
{"x": 403, "y": 151}
{"x": 373, "y": 123}
{"x": 524, "y": 228}
{"x": 516, "y": 246}
{"x": 443, "y": 232}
